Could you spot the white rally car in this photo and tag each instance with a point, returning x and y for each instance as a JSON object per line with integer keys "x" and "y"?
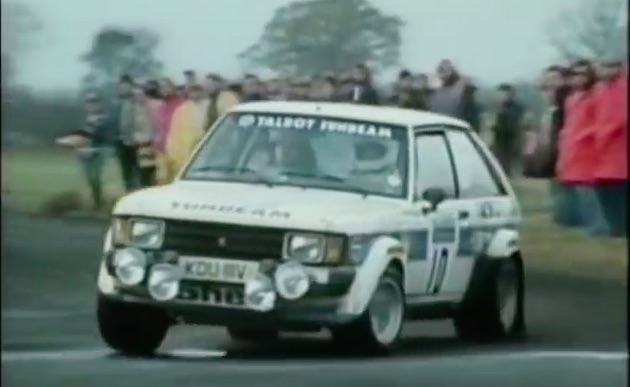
{"x": 302, "y": 216}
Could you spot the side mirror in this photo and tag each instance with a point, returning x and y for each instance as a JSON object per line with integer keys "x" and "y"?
{"x": 434, "y": 196}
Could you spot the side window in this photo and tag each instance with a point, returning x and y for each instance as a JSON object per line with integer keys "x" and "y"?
{"x": 475, "y": 178}
{"x": 433, "y": 164}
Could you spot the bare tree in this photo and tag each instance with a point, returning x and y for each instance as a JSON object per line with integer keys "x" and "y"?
{"x": 19, "y": 27}
{"x": 117, "y": 50}
{"x": 19, "y": 22}
{"x": 314, "y": 36}
{"x": 593, "y": 29}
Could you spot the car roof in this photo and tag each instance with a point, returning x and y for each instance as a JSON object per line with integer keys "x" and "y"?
{"x": 380, "y": 114}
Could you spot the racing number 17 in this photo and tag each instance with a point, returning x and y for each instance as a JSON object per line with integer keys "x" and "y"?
{"x": 438, "y": 269}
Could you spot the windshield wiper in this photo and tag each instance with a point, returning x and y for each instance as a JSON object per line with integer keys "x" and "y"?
{"x": 223, "y": 168}
{"x": 322, "y": 176}
{"x": 227, "y": 168}
{"x": 270, "y": 181}
{"x": 327, "y": 177}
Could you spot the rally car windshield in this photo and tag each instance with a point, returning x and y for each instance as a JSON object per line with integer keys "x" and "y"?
{"x": 305, "y": 151}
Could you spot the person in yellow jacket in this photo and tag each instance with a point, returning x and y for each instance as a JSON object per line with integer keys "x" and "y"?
{"x": 220, "y": 102}
{"x": 187, "y": 128}
{"x": 171, "y": 100}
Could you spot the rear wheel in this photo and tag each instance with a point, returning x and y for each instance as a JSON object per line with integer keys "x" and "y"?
{"x": 131, "y": 329}
{"x": 495, "y": 310}
{"x": 378, "y": 329}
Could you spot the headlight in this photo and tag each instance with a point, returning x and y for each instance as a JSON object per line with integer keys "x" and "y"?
{"x": 143, "y": 233}
{"x": 130, "y": 266}
{"x": 291, "y": 280}
{"x": 304, "y": 248}
{"x": 312, "y": 248}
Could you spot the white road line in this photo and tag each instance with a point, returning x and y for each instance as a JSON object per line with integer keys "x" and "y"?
{"x": 194, "y": 353}
{"x": 43, "y": 314}
{"x": 94, "y": 354}
{"x": 100, "y": 353}
{"x": 83, "y": 354}
{"x": 525, "y": 355}
{"x": 587, "y": 355}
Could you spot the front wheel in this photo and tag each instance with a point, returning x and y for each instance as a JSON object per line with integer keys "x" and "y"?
{"x": 131, "y": 329}
{"x": 378, "y": 329}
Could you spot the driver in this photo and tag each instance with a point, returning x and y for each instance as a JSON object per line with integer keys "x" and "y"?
{"x": 284, "y": 151}
{"x": 294, "y": 152}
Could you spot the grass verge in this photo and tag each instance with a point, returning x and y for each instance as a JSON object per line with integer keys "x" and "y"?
{"x": 51, "y": 181}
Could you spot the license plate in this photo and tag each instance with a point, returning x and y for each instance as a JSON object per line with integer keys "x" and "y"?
{"x": 216, "y": 269}
{"x": 227, "y": 295}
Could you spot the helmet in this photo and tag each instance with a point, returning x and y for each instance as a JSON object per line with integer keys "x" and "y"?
{"x": 375, "y": 155}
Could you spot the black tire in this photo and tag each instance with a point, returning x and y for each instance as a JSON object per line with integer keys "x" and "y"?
{"x": 359, "y": 335}
{"x": 253, "y": 335}
{"x": 131, "y": 329}
{"x": 479, "y": 317}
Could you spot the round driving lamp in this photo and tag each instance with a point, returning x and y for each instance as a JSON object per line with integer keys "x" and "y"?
{"x": 291, "y": 280}
{"x": 260, "y": 294}
{"x": 164, "y": 280}
{"x": 130, "y": 266}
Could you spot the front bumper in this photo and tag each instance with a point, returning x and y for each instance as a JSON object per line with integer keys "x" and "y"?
{"x": 303, "y": 315}
{"x": 320, "y": 307}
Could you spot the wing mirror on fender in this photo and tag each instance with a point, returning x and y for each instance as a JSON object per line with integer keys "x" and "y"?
{"x": 432, "y": 197}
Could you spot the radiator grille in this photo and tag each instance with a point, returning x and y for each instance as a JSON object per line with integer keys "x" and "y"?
{"x": 223, "y": 240}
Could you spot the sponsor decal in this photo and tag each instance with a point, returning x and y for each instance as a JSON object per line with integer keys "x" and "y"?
{"x": 394, "y": 180}
{"x": 480, "y": 241}
{"x": 247, "y": 120}
{"x": 349, "y": 127}
{"x": 418, "y": 242}
{"x": 441, "y": 257}
{"x": 398, "y": 251}
{"x": 488, "y": 210}
{"x": 229, "y": 209}
{"x": 444, "y": 220}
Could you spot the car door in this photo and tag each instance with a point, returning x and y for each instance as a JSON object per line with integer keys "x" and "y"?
{"x": 483, "y": 206}
{"x": 433, "y": 248}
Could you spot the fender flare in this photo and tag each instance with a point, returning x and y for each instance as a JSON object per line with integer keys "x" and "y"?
{"x": 377, "y": 260}
{"x": 108, "y": 242}
{"x": 105, "y": 282}
{"x": 503, "y": 244}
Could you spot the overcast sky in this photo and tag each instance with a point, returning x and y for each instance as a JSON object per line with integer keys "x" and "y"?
{"x": 492, "y": 40}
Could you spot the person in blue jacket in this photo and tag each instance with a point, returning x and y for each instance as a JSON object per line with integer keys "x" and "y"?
{"x": 91, "y": 142}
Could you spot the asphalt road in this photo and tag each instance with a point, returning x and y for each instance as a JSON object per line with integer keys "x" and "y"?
{"x": 577, "y": 334}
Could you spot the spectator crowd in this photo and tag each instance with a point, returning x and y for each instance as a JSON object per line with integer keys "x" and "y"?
{"x": 582, "y": 146}
{"x": 580, "y": 143}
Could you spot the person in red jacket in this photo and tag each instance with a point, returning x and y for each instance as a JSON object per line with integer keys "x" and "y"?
{"x": 577, "y": 158}
{"x": 611, "y": 141}
{"x": 541, "y": 146}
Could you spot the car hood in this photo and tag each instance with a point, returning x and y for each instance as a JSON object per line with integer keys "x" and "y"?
{"x": 260, "y": 205}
